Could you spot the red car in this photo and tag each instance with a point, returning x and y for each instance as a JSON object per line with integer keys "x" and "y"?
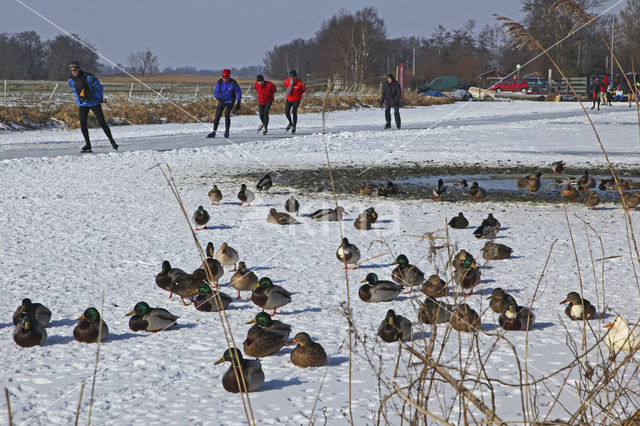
{"x": 510, "y": 85}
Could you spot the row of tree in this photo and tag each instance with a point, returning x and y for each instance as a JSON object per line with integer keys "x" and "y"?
{"x": 355, "y": 49}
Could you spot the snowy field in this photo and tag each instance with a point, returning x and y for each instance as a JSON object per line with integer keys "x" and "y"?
{"x": 74, "y": 226}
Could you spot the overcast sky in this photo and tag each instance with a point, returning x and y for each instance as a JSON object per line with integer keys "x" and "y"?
{"x": 215, "y": 34}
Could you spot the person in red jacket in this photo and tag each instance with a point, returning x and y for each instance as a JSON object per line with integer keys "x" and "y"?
{"x": 295, "y": 89}
{"x": 265, "y": 91}
{"x": 603, "y": 90}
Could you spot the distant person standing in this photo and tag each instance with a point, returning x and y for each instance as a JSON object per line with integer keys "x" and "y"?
{"x": 391, "y": 94}
{"x": 604, "y": 88}
{"x": 89, "y": 96}
{"x": 595, "y": 91}
{"x": 228, "y": 94}
{"x": 295, "y": 88}
{"x": 265, "y": 90}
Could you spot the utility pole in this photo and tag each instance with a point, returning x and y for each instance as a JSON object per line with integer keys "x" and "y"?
{"x": 414, "y": 62}
{"x": 613, "y": 25}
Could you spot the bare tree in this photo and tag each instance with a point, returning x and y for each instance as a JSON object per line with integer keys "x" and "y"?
{"x": 143, "y": 62}
{"x": 630, "y": 29}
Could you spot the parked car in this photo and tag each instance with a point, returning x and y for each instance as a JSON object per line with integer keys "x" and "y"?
{"x": 537, "y": 85}
{"x": 510, "y": 85}
{"x": 461, "y": 95}
{"x": 444, "y": 83}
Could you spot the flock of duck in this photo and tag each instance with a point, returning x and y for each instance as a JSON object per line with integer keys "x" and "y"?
{"x": 267, "y": 336}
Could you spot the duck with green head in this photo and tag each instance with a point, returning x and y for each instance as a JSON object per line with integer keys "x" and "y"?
{"x": 406, "y": 274}
{"x": 200, "y": 218}
{"x": 394, "y": 327}
{"x": 376, "y": 290}
{"x": 249, "y": 377}
{"x": 434, "y": 312}
{"x": 146, "y": 318}
{"x": 267, "y": 295}
{"x": 266, "y": 336}
{"x": 208, "y": 301}
{"x": 28, "y": 332}
{"x": 37, "y": 311}
{"x": 365, "y": 219}
{"x": 348, "y": 254}
{"x": 90, "y": 327}
{"x": 308, "y": 353}
{"x": 214, "y": 264}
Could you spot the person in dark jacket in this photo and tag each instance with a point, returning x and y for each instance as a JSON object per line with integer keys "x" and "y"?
{"x": 596, "y": 86}
{"x": 391, "y": 94}
{"x": 89, "y": 97}
{"x": 295, "y": 88}
{"x": 228, "y": 94}
{"x": 265, "y": 90}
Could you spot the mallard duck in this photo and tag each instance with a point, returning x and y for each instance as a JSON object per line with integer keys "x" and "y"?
{"x": 434, "y": 312}
{"x": 308, "y": 353}
{"x": 467, "y": 278}
{"x": 592, "y": 200}
{"x": 167, "y": 276}
{"x": 251, "y": 377}
{"x": 245, "y": 195}
{"x": 391, "y": 188}
{"x": 90, "y": 328}
{"x": 378, "y": 291}
{"x": 292, "y": 205}
{"x": 459, "y": 222}
{"x": 477, "y": 193}
{"x": 557, "y": 167}
{"x": 630, "y": 184}
{"x": 570, "y": 193}
{"x": 200, "y": 218}
{"x": 621, "y": 336}
{"x": 488, "y": 229}
{"x": 521, "y": 181}
{"x": 462, "y": 259}
{"x": 185, "y": 285}
{"x": 435, "y": 286}
{"x": 29, "y": 332}
{"x": 439, "y": 191}
{"x": 208, "y": 301}
{"x": 328, "y": 214}
{"x": 348, "y": 254}
{"x": 215, "y": 195}
{"x": 365, "y": 219}
{"x": 278, "y": 218}
{"x": 227, "y": 256}
{"x": 264, "y": 184}
{"x": 607, "y": 185}
{"x": 266, "y": 336}
{"x": 465, "y": 319}
{"x": 148, "y": 319}
{"x": 214, "y": 264}
{"x": 37, "y": 311}
{"x": 394, "y": 327}
{"x": 269, "y": 296}
{"x": 496, "y": 251}
{"x": 516, "y": 318}
{"x": 587, "y": 182}
{"x": 632, "y": 200}
{"x": 579, "y": 308}
{"x": 405, "y": 274}
{"x": 366, "y": 188}
{"x": 462, "y": 184}
{"x": 499, "y": 300}
{"x": 533, "y": 183}
{"x": 379, "y": 191}
{"x": 243, "y": 279}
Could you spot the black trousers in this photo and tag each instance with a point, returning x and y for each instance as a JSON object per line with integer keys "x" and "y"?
{"x": 288, "y": 106}
{"x": 83, "y": 114}
{"x": 227, "y": 115}
{"x": 396, "y": 113}
{"x": 263, "y": 111}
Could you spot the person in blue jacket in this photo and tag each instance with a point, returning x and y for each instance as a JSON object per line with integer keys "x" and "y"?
{"x": 228, "y": 94}
{"x": 89, "y": 96}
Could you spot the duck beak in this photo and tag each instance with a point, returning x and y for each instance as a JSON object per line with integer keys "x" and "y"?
{"x": 395, "y": 262}
{"x": 27, "y": 325}
{"x": 220, "y": 361}
{"x": 255, "y": 286}
{"x": 293, "y": 342}
{"x": 363, "y": 281}
{"x": 80, "y": 318}
{"x": 253, "y": 321}
{"x": 194, "y": 292}
{"x": 608, "y": 325}
{"x": 564, "y": 301}
{"x": 130, "y": 313}
{"x": 391, "y": 320}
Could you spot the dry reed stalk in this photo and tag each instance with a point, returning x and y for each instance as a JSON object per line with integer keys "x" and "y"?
{"x": 95, "y": 365}
{"x": 80, "y": 401}
{"x": 6, "y": 395}
{"x": 419, "y": 408}
{"x": 224, "y": 320}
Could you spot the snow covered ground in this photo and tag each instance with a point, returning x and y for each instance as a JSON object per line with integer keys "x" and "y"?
{"x": 76, "y": 225}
